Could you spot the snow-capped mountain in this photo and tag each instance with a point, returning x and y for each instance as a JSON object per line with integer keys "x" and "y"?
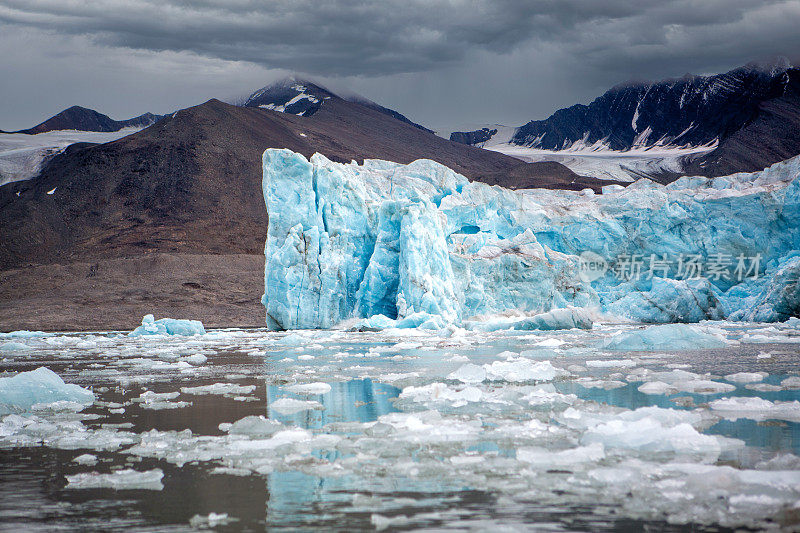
{"x": 690, "y": 111}
{"x": 666, "y": 128}
{"x": 301, "y": 97}
{"x": 290, "y": 95}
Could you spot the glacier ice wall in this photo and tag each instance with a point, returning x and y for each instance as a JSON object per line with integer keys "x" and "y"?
{"x": 421, "y": 244}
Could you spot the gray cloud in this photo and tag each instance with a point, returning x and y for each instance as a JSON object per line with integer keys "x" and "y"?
{"x": 529, "y": 57}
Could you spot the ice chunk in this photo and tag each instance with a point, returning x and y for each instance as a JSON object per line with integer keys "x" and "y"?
{"x": 610, "y": 363}
{"x": 469, "y": 373}
{"x": 127, "y": 479}
{"x": 160, "y": 400}
{"x": 41, "y": 386}
{"x": 669, "y": 337}
{"x": 569, "y": 458}
{"x": 224, "y": 389}
{"x": 168, "y": 326}
{"x": 756, "y": 409}
{"x": 309, "y": 389}
{"x": 290, "y": 406}
{"x": 254, "y": 426}
{"x": 520, "y": 370}
{"x": 649, "y": 434}
{"x": 746, "y": 377}
{"x": 792, "y": 382}
{"x": 86, "y": 459}
{"x": 211, "y": 520}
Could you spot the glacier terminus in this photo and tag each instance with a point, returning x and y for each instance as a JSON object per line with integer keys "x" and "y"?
{"x": 419, "y": 245}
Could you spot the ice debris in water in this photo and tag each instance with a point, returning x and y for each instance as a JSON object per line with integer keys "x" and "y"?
{"x": 520, "y": 369}
{"x": 756, "y": 409}
{"x": 38, "y": 388}
{"x": 419, "y": 245}
{"x": 211, "y": 520}
{"x": 673, "y": 381}
{"x": 168, "y": 326}
{"x": 667, "y": 337}
{"x": 127, "y": 479}
{"x": 746, "y": 377}
{"x": 290, "y": 406}
{"x": 309, "y": 389}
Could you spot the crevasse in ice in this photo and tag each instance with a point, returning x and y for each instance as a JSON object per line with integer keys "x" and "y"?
{"x": 422, "y": 246}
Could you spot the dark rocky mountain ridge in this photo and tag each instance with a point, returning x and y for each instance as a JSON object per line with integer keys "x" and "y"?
{"x": 750, "y": 116}
{"x": 84, "y": 119}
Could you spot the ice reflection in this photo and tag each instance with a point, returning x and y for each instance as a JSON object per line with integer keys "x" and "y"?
{"x": 293, "y": 493}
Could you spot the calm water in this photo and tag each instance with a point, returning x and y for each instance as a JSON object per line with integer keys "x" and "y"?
{"x": 385, "y": 447}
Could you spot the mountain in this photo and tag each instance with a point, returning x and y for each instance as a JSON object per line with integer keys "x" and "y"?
{"x": 171, "y": 220}
{"x": 473, "y": 137}
{"x": 83, "y": 119}
{"x": 303, "y": 98}
{"x": 738, "y": 121}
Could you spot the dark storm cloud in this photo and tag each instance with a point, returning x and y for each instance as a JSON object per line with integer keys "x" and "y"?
{"x": 441, "y": 62}
{"x": 354, "y": 37}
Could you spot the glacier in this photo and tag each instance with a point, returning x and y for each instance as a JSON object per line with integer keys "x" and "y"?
{"x": 419, "y": 245}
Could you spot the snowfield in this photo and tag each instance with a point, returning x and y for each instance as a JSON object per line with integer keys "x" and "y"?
{"x": 21, "y": 155}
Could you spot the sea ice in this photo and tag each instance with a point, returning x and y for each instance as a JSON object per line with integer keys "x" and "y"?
{"x": 168, "y": 326}
{"x": 41, "y": 386}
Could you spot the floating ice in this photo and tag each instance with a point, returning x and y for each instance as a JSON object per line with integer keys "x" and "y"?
{"x": 211, "y": 520}
{"x": 469, "y": 373}
{"x": 518, "y": 369}
{"x": 309, "y": 389}
{"x": 418, "y": 245}
{"x": 756, "y": 409}
{"x": 127, "y": 479}
{"x": 669, "y": 337}
{"x": 290, "y": 406}
{"x": 224, "y": 389}
{"x": 86, "y": 459}
{"x": 746, "y": 377}
{"x": 168, "y": 326}
{"x": 160, "y": 400}
{"x": 41, "y": 386}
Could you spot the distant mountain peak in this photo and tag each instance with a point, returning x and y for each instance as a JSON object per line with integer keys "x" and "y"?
{"x": 85, "y": 119}
{"x": 292, "y": 95}
{"x": 691, "y": 111}
{"x": 299, "y": 96}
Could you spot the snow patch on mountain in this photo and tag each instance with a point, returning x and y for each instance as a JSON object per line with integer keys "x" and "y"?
{"x": 22, "y": 155}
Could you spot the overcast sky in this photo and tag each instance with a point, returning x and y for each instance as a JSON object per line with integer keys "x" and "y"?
{"x": 444, "y": 63}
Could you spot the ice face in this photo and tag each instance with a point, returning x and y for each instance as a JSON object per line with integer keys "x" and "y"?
{"x": 168, "y": 326}
{"x": 39, "y": 387}
{"x": 418, "y": 245}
